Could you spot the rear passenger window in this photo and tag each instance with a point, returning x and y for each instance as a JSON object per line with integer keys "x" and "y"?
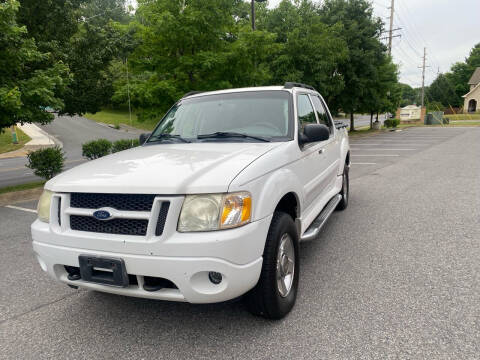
{"x": 305, "y": 111}
{"x": 322, "y": 114}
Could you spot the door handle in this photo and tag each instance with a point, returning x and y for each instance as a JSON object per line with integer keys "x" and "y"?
{"x": 321, "y": 151}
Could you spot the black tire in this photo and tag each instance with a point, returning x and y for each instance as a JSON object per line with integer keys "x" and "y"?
{"x": 345, "y": 192}
{"x": 265, "y": 299}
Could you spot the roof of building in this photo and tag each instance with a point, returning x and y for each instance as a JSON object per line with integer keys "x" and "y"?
{"x": 475, "y": 88}
{"x": 475, "y": 79}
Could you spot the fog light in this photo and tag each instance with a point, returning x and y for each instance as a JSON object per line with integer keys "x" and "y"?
{"x": 215, "y": 277}
{"x": 73, "y": 273}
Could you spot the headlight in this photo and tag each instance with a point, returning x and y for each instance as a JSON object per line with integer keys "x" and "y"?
{"x": 43, "y": 207}
{"x": 215, "y": 211}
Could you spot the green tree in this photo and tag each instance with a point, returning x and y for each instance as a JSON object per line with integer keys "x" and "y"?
{"x": 101, "y": 12}
{"x": 183, "y": 47}
{"x": 409, "y": 95}
{"x": 442, "y": 91}
{"x": 29, "y": 81}
{"x": 361, "y": 32}
{"x": 92, "y": 50}
{"x": 82, "y": 35}
{"x": 383, "y": 92}
{"x": 449, "y": 88}
{"x": 312, "y": 50}
{"x": 51, "y": 23}
{"x": 249, "y": 58}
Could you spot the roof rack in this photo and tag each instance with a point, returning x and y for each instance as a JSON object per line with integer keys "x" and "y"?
{"x": 289, "y": 85}
{"x": 191, "y": 93}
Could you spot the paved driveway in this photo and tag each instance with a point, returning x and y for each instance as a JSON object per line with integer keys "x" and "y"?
{"x": 72, "y": 132}
{"x": 396, "y": 275}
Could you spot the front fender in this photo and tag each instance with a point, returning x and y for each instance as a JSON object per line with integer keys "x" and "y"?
{"x": 268, "y": 190}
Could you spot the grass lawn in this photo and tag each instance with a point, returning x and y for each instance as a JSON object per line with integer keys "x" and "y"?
{"x": 117, "y": 117}
{"x": 20, "y": 187}
{"x": 6, "y": 140}
{"x": 463, "y": 117}
{"x": 365, "y": 130}
{"x": 464, "y": 123}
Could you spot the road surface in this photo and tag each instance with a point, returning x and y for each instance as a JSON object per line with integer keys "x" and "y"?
{"x": 361, "y": 120}
{"x": 395, "y": 275}
{"x": 72, "y": 132}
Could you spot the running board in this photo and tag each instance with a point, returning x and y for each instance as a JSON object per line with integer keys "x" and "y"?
{"x": 317, "y": 224}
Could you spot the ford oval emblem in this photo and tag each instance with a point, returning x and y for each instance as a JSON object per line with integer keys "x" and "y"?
{"x": 102, "y": 215}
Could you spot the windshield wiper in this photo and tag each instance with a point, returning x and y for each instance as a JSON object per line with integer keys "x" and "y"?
{"x": 164, "y": 136}
{"x": 222, "y": 134}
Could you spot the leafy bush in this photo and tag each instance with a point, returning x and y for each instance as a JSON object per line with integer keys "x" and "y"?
{"x": 46, "y": 163}
{"x": 391, "y": 123}
{"x": 96, "y": 148}
{"x": 124, "y": 144}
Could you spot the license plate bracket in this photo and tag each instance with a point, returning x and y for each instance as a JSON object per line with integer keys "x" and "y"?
{"x": 103, "y": 270}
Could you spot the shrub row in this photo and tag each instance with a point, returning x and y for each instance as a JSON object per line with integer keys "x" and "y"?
{"x": 391, "y": 123}
{"x": 97, "y": 148}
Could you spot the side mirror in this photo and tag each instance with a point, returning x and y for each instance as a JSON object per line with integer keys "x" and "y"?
{"x": 314, "y": 133}
{"x": 143, "y": 137}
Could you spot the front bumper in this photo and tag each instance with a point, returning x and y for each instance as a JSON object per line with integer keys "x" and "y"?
{"x": 189, "y": 273}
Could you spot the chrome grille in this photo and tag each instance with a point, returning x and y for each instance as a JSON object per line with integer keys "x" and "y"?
{"x": 126, "y": 202}
{"x": 114, "y": 226}
{"x": 142, "y": 210}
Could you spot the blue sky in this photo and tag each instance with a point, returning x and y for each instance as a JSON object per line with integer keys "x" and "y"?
{"x": 447, "y": 28}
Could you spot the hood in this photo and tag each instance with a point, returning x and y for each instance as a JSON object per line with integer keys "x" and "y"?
{"x": 163, "y": 169}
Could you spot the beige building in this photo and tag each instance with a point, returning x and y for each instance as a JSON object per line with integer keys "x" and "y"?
{"x": 472, "y": 99}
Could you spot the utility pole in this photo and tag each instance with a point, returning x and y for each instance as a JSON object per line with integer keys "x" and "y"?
{"x": 423, "y": 75}
{"x": 253, "y": 15}
{"x": 253, "y": 12}
{"x": 390, "y": 32}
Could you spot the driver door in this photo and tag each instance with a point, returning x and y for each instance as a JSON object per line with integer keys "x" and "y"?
{"x": 331, "y": 147}
{"x": 313, "y": 165}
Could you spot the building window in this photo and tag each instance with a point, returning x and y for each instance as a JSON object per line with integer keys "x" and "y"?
{"x": 472, "y": 105}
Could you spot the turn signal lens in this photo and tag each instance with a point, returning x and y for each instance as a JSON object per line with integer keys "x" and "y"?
{"x": 237, "y": 209}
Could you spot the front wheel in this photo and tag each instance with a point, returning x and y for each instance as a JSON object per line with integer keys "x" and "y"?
{"x": 342, "y": 205}
{"x": 275, "y": 293}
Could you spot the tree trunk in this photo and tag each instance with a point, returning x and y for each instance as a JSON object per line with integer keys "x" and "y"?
{"x": 371, "y": 120}
{"x": 352, "y": 123}
{"x": 377, "y": 116}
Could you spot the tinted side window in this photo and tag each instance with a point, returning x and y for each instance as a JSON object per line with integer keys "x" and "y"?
{"x": 323, "y": 117}
{"x": 305, "y": 111}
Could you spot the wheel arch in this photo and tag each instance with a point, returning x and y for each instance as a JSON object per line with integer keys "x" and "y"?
{"x": 289, "y": 204}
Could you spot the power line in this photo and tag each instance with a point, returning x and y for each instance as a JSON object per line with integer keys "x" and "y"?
{"x": 416, "y": 30}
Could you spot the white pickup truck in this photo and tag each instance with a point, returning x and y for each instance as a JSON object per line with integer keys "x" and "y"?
{"x": 210, "y": 207}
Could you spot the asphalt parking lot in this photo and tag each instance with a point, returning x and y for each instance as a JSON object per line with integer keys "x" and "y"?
{"x": 396, "y": 275}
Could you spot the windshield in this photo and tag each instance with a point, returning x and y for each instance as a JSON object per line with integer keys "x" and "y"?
{"x": 243, "y": 116}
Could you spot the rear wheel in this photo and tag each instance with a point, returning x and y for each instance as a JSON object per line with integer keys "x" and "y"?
{"x": 342, "y": 205}
{"x": 275, "y": 293}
